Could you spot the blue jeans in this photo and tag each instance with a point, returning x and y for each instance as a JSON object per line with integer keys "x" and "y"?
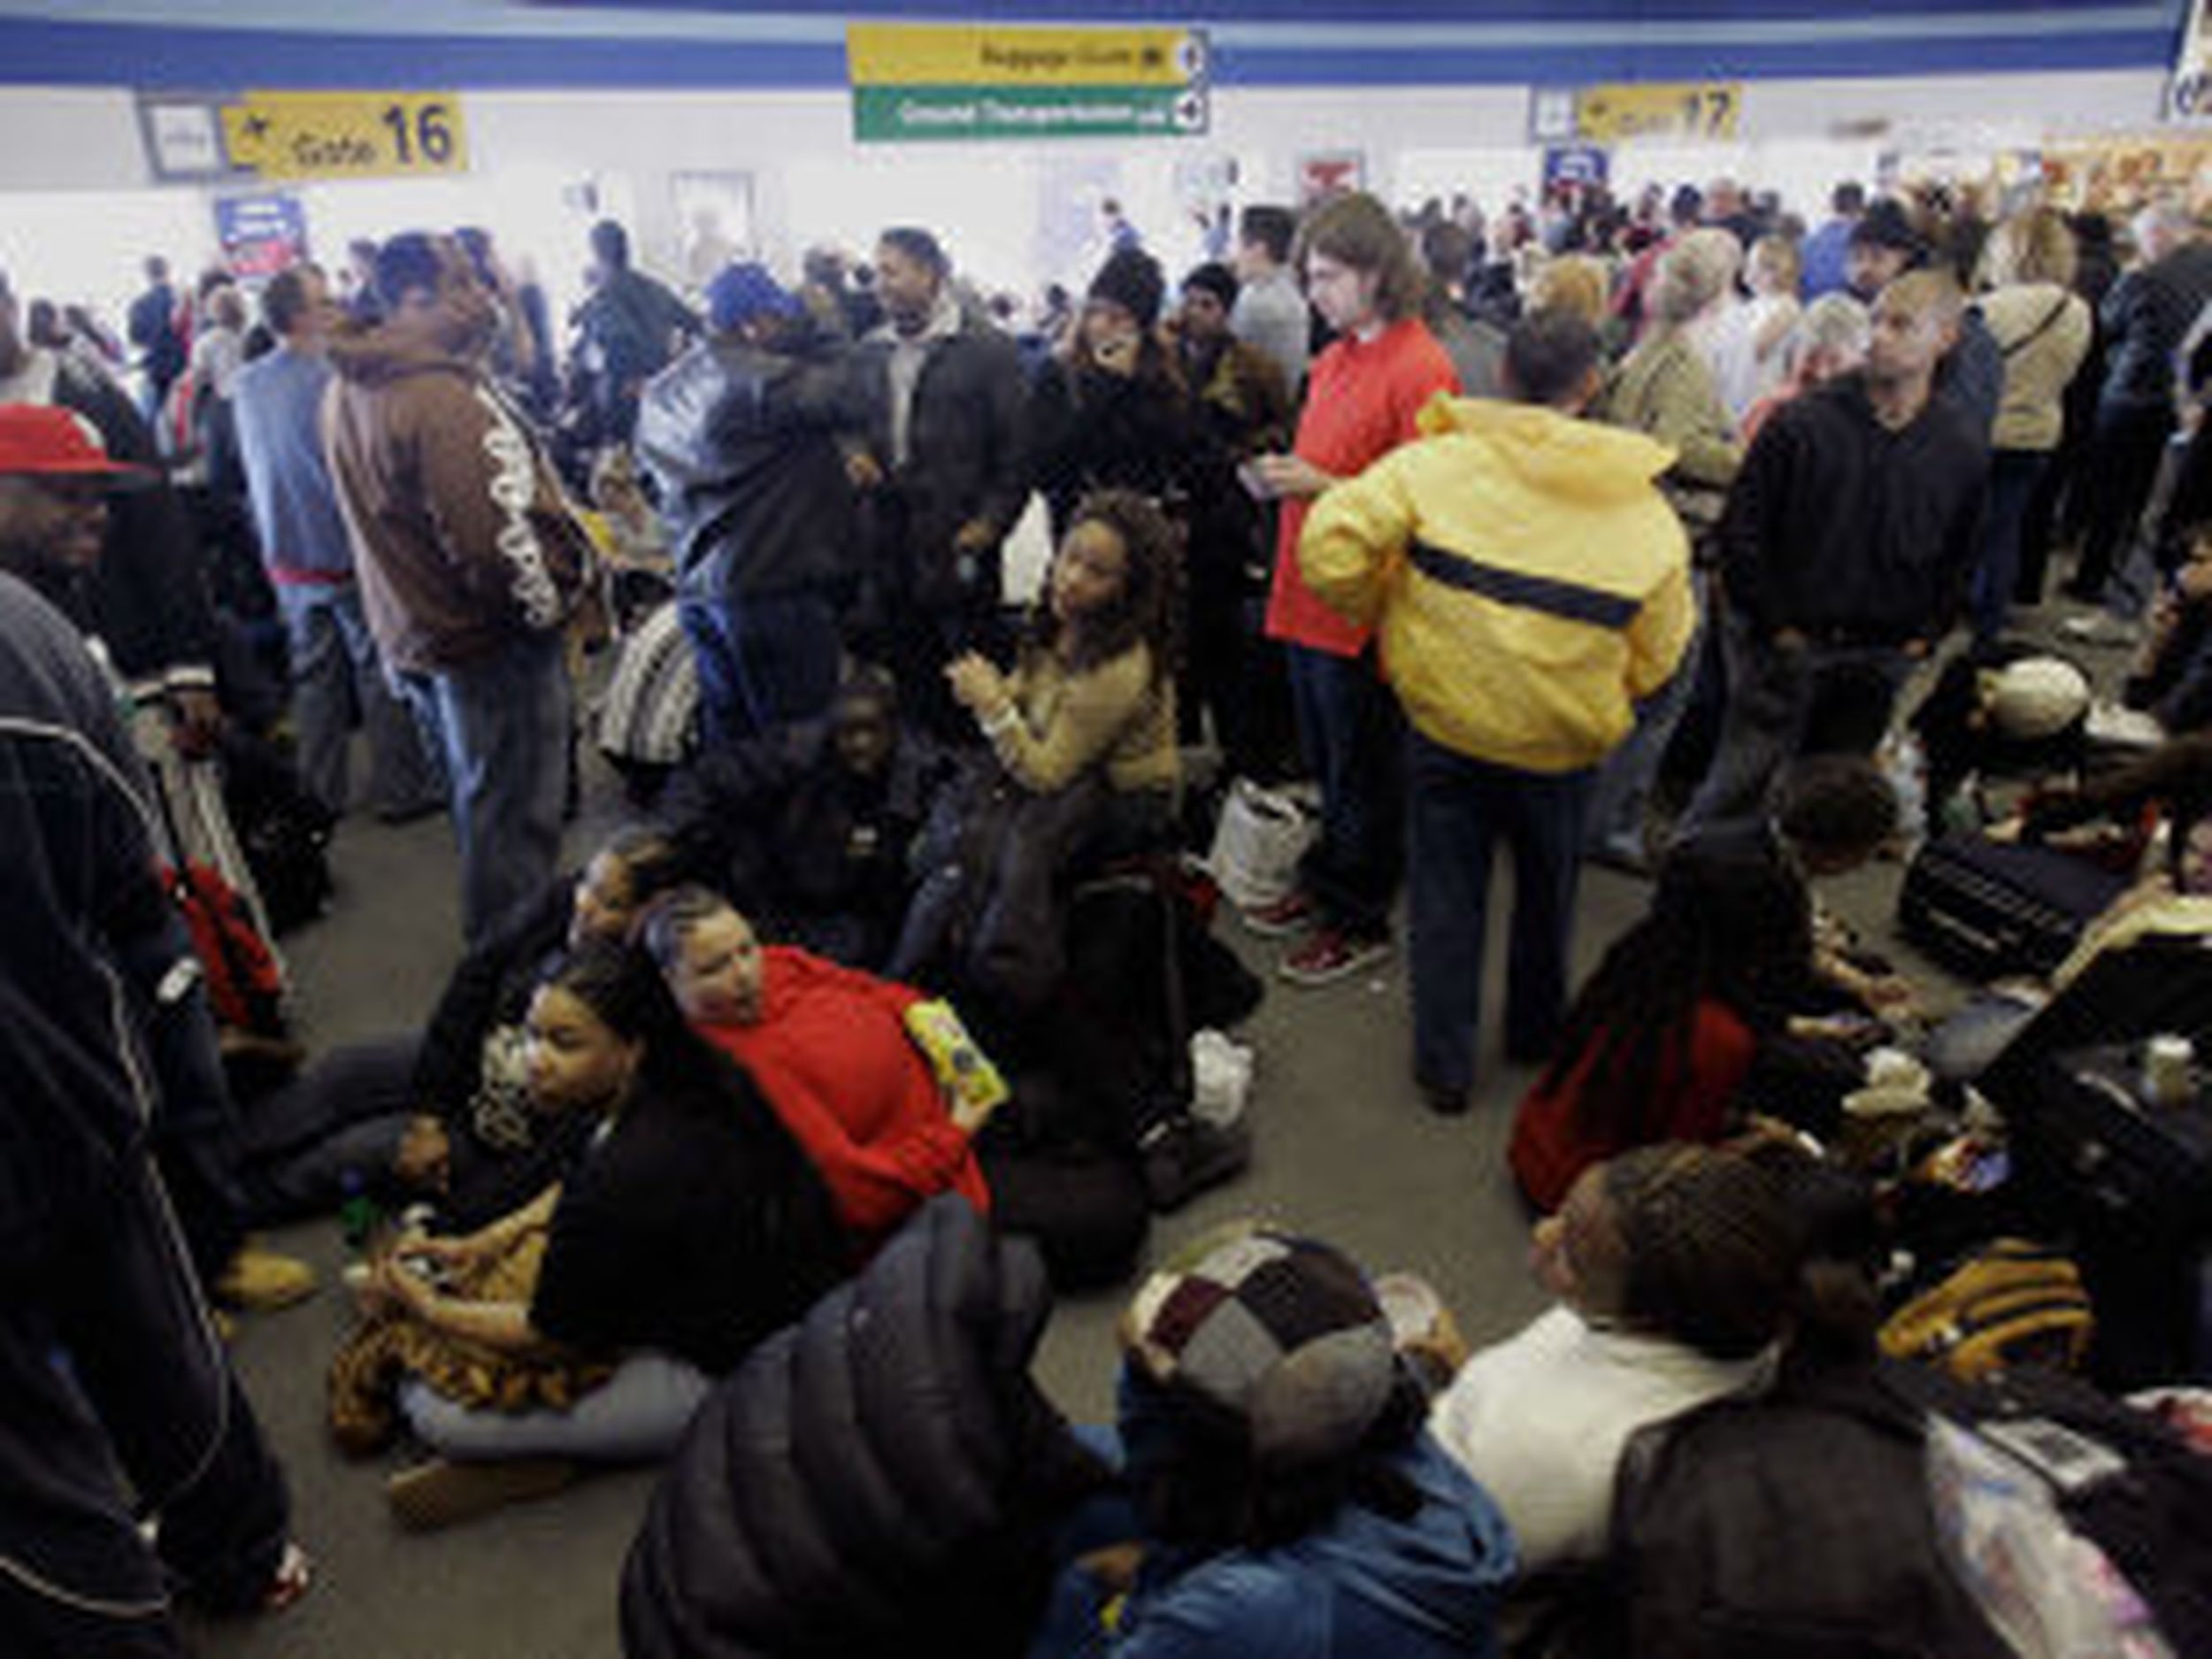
{"x": 1459, "y": 809}
{"x": 765, "y": 662}
{"x": 335, "y": 669}
{"x": 1349, "y": 730}
{"x": 502, "y": 722}
{"x": 2013, "y": 476}
{"x": 1773, "y": 694}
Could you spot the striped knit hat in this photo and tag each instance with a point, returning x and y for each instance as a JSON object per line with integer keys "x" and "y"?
{"x": 1281, "y": 1332}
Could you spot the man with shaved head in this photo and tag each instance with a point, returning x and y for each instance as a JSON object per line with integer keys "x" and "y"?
{"x": 1846, "y": 546}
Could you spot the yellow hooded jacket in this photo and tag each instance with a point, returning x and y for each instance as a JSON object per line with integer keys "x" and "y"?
{"x": 1528, "y": 581}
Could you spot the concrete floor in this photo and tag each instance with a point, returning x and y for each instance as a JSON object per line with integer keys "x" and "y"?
{"x": 1343, "y": 1149}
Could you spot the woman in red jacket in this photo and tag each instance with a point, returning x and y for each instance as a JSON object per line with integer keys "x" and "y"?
{"x": 1662, "y": 1036}
{"x": 829, "y": 1047}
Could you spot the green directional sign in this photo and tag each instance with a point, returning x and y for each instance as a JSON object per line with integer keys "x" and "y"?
{"x": 921, "y": 81}
{"x": 898, "y": 113}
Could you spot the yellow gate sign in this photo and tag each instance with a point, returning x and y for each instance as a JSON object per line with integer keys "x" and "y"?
{"x": 345, "y": 134}
{"x": 1708, "y": 109}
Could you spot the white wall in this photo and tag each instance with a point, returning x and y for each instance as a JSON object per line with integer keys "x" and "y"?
{"x": 812, "y": 182}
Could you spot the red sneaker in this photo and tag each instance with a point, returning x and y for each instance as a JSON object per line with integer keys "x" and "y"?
{"x": 1293, "y": 913}
{"x": 1329, "y": 955}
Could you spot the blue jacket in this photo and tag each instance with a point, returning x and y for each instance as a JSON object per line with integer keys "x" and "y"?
{"x": 278, "y": 404}
{"x": 1419, "y": 1589}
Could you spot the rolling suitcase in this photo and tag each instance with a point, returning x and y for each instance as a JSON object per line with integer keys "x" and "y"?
{"x": 1988, "y": 909}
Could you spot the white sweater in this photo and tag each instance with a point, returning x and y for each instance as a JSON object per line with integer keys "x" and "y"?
{"x": 1539, "y": 1420}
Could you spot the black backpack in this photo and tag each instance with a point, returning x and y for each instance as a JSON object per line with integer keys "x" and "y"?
{"x": 1793, "y": 1526}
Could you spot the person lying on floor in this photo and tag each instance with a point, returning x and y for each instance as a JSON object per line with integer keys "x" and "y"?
{"x": 1674, "y": 1267}
{"x": 1083, "y": 761}
{"x": 835, "y": 1054}
{"x": 445, "y": 1118}
{"x": 1281, "y": 1499}
{"x": 1662, "y": 1037}
{"x": 589, "y": 1323}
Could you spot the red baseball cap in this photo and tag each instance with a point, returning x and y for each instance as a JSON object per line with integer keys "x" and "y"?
{"x": 43, "y": 441}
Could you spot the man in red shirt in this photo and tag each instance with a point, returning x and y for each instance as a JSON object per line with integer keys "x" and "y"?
{"x": 1363, "y": 395}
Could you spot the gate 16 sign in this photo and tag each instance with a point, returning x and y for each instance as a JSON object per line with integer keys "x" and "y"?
{"x": 345, "y": 134}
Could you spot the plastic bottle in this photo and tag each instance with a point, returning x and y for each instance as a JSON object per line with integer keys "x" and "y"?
{"x": 357, "y": 1212}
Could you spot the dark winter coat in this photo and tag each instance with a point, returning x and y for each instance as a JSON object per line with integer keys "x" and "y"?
{"x": 966, "y": 458}
{"x": 752, "y": 484}
{"x": 90, "y": 937}
{"x": 2146, "y": 317}
{"x": 877, "y": 1478}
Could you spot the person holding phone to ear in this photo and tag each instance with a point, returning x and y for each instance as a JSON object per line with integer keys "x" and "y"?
{"x": 1111, "y": 410}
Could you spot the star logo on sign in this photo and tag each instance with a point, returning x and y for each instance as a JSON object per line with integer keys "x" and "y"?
{"x": 255, "y": 126}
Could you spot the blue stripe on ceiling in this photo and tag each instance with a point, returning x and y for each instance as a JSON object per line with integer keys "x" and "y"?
{"x": 1364, "y": 12}
{"x": 787, "y": 53}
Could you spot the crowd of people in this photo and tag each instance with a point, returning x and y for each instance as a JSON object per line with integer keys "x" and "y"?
{"x": 1595, "y": 532}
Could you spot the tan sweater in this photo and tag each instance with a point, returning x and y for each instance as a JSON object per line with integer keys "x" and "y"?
{"x": 2031, "y": 409}
{"x": 1112, "y": 715}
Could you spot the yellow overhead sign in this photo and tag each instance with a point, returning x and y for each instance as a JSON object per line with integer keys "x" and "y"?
{"x": 345, "y": 134}
{"x": 1607, "y": 114}
{"x": 963, "y": 55}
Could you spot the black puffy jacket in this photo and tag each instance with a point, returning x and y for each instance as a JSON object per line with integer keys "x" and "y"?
{"x": 741, "y": 441}
{"x": 880, "y": 1478}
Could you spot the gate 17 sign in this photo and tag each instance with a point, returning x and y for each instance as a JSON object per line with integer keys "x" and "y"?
{"x": 345, "y": 134}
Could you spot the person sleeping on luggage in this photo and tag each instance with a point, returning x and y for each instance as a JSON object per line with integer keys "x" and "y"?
{"x": 836, "y": 1053}
{"x": 588, "y": 1323}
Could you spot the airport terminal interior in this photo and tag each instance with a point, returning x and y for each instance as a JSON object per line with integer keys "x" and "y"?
{"x": 1242, "y": 831}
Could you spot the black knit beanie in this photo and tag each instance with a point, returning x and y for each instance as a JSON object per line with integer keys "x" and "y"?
{"x": 1131, "y": 278}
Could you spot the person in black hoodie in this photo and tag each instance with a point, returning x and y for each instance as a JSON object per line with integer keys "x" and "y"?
{"x": 739, "y": 434}
{"x": 1846, "y": 544}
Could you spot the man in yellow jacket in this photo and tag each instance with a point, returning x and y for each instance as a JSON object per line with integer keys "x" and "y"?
{"x": 1529, "y": 583}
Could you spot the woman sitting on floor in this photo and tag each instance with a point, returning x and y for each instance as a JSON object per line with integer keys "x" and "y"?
{"x": 1675, "y": 1268}
{"x": 444, "y": 1115}
{"x": 1661, "y": 1038}
{"x": 589, "y": 1323}
{"x": 831, "y": 1050}
{"x": 1083, "y": 734}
